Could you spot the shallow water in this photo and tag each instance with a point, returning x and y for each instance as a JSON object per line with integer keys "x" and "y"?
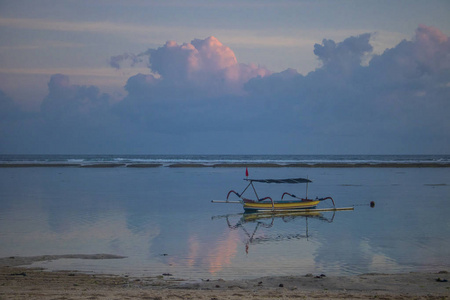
{"x": 163, "y": 221}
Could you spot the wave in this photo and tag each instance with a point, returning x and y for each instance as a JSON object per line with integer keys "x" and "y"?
{"x": 328, "y": 161}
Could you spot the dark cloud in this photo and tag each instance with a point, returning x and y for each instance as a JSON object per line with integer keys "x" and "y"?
{"x": 424, "y": 60}
{"x": 74, "y": 118}
{"x": 197, "y": 98}
{"x": 343, "y": 56}
{"x": 8, "y": 109}
{"x": 132, "y": 59}
{"x": 399, "y": 102}
{"x": 65, "y": 100}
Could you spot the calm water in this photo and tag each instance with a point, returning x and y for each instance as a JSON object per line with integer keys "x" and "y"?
{"x": 163, "y": 221}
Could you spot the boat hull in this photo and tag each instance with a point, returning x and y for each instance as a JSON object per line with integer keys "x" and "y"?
{"x": 279, "y": 205}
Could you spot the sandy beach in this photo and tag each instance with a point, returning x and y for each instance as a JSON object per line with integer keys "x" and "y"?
{"x": 18, "y": 282}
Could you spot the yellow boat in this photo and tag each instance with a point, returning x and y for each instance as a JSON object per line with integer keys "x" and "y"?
{"x": 279, "y": 205}
{"x": 268, "y": 204}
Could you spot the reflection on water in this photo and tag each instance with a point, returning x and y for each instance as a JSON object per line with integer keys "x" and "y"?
{"x": 266, "y": 220}
{"x": 163, "y": 222}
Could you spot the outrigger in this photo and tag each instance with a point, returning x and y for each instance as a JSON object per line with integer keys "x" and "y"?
{"x": 268, "y": 204}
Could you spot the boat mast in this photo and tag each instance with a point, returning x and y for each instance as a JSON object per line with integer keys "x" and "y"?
{"x": 251, "y": 182}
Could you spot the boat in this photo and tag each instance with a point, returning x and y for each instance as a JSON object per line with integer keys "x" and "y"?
{"x": 268, "y": 204}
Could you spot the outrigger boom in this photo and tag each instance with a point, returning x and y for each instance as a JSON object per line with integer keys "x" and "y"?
{"x": 268, "y": 204}
{"x": 294, "y": 210}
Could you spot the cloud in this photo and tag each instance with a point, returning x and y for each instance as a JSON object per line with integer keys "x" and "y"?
{"x": 193, "y": 87}
{"x": 94, "y": 27}
{"x": 153, "y": 34}
{"x": 7, "y": 106}
{"x": 402, "y": 94}
{"x": 116, "y": 61}
{"x": 344, "y": 55}
{"x": 72, "y": 119}
{"x": 65, "y": 100}
{"x": 426, "y": 55}
{"x": 205, "y": 66}
{"x": 197, "y": 98}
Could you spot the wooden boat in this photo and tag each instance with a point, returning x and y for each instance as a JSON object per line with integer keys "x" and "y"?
{"x": 279, "y": 205}
{"x": 268, "y": 204}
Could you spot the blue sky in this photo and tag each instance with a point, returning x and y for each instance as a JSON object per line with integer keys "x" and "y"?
{"x": 294, "y": 77}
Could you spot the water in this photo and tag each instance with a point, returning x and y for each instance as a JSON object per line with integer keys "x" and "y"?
{"x": 162, "y": 220}
{"x": 227, "y": 159}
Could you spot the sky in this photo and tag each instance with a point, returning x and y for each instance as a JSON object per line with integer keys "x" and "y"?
{"x": 224, "y": 77}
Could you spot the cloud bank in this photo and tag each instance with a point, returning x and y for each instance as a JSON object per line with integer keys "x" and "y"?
{"x": 197, "y": 98}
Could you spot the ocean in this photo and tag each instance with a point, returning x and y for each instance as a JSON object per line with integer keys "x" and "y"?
{"x": 156, "y": 211}
{"x": 212, "y": 160}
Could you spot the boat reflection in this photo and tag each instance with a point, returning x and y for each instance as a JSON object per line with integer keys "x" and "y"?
{"x": 266, "y": 220}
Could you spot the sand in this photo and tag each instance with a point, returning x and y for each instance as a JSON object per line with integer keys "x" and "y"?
{"x": 18, "y": 282}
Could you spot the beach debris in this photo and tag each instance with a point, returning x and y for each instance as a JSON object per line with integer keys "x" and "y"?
{"x": 320, "y": 276}
{"x": 439, "y": 279}
{"x": 19, "y": 274}
{"x": 167, "y": 274}
{"x": 281, "y": 285}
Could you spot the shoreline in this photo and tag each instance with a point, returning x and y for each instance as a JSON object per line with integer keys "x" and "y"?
{"x": 225, "y": 165}
{"x": 18, "y": 282}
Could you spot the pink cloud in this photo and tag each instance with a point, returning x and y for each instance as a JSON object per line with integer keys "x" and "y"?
{"x": 213, "y": 55}
{"x": 431, "y": 48}
{"x": 430, "y": 34}
{"x": 205, "y": 64}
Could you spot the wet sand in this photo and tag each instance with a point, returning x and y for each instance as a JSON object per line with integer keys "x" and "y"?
{"x": 27, "y": 283}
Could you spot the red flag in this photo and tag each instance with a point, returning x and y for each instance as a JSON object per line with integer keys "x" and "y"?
{"x": 246, "y": 172}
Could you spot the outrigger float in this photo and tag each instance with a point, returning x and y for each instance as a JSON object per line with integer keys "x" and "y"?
{"x": 268, "y": 204}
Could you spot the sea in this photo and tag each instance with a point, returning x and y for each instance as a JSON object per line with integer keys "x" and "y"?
{"x": 211, "y": 160}
{"x": 155, "y": 212}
